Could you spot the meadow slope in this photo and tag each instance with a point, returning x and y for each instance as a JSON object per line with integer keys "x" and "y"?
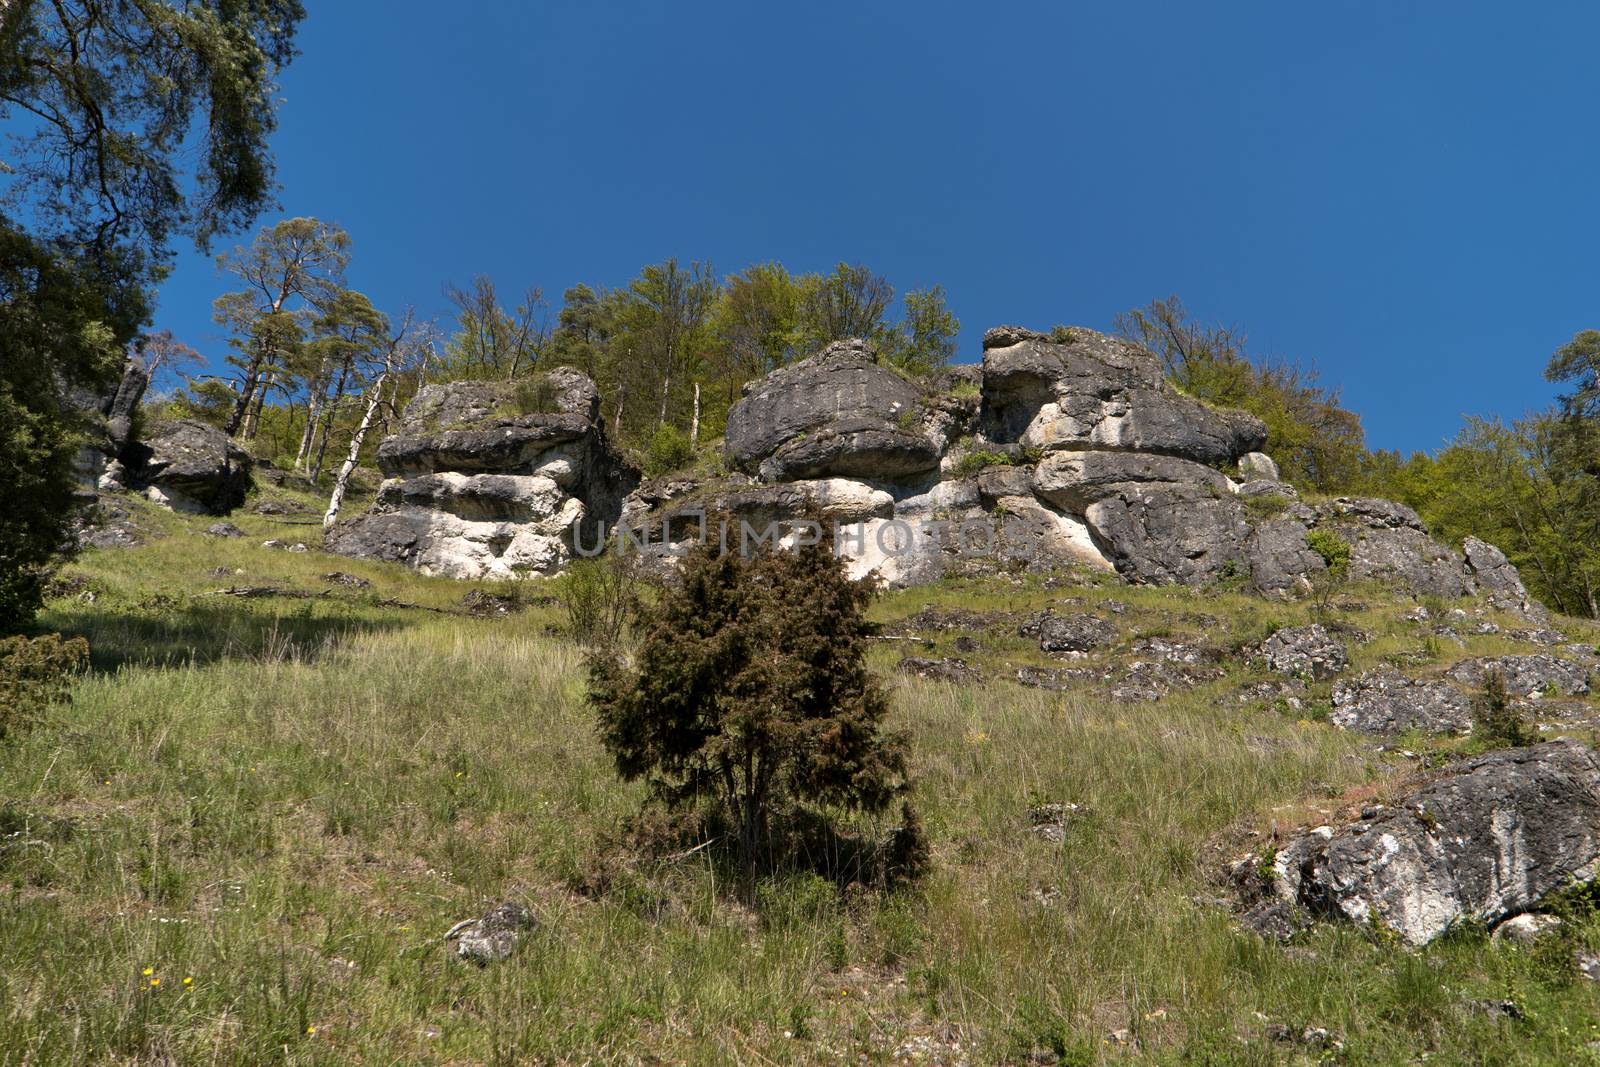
{"x": 243, "y": 841}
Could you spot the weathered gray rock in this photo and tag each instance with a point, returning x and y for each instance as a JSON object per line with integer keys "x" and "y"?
{"x": 1157, "y": 518}
{"x": 1385, "y": 701}
{"x": 189, "y": 466}
{"x": 1527, "y": 676}
{"x": 1498, "y": 579}
{"x": 837, "y": 413}
{"x": 948, "y": 669}
{"x": 1074, "y": 633}
{"x": 1527, "y": 928}
{"x": 1490, "y": 838}
{"x": 1388, "y": 542}
{"x": 1259, "y": 466}
{"x": 1093, "y": 391}
{"x": 493, "y": 480}
{"x": 224, "y": 529}
{"x": 1304, "y": 652}
{"x": 492, "y": 938}
{"x": 1264, "y": 487}
{"x": 1280, "y": 557}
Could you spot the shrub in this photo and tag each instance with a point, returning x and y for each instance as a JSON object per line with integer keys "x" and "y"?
{"x": 973, "y": 462}
{"x": 34, "y": 673}
{"x": 750, "y": 690}
{"x": 534, "y": 395}
{"x": 1501, "y": 723}
{"x": 600, "y": 597}
{"x": 668, "y": 450}
{"x": 1061, "y": 335}
{"x": 1335, "y": 552}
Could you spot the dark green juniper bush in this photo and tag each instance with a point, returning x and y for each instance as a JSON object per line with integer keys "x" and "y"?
{"x": 750, "y": 690}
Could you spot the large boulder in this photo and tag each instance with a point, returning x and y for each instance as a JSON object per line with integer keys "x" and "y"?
{"x": 1389, "y": 543}
{"x": 1080, "y": 389}
{"x": 1490, "y": 838}
{"x": 1498, "y": 579}
{"x": 189, "y": 466}
{"x": 837, "y": 413}
{"x": 1157, "y": 518}
{"x": 494, "y": 480}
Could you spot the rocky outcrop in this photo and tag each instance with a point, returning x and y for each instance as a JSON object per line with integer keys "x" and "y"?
{"x": 1081, "y": 390}
{"x": 1304, "y": 652}
{"x": 1384, "y": 701}
{"x": 1067, "y": 448}
{"x": 1074, "y": 633}
{"x": 188, "y": 465}
{"x": 1527, "y": 676}
{"x": 1488, "y": 839}
{"x": 1158, "y": 518}
{"x": 1499, "y": 580}
{"x": 837, "y": 413}
{"x": 493, "y": 480}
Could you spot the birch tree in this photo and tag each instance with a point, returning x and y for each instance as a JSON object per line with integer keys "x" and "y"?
{"x": 396, "y": 352}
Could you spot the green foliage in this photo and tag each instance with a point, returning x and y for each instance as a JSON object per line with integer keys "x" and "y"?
{"x": 111, "y": 92}
{"x": 600, "y": 597}
{"x": 491, "y": 342}
{"x": 925, "y": 341}
{"x": 1061, "y": 335}
{"x": 973, "y": 462}
{"x": 62, "y": 327}
{"x": 851, "y": 301}
{"x": 35, "y": 673}
{"x": 667, "y": 450}
{"x": 1500, "y": 722}
{"x": 1334, "y": 550}
{"x": 1317, "y": 443}
{"x": 751, "y": 686}
{"x": 1265, "y": 506}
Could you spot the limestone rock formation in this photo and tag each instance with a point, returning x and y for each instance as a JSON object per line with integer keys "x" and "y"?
{"x": 1488, "y": 839}
{"x": 1305, "y": 652}
{"x": 1385, "y": 701}
{"x": 1527, "y": 676}
{"x": 493, "y": 480}
{"x": 837, "y": 413}
{"x": 1068, "y": 448}
{"x": 189, "y": 466}
{"x": 1089, "y": 390}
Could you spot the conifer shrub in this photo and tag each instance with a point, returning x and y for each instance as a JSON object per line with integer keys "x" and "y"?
{"x": 35, "y": 673}
{"x": 749, "y": 695}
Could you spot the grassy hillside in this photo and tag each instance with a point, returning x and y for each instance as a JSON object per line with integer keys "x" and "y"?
{"x": 244, "y": 840}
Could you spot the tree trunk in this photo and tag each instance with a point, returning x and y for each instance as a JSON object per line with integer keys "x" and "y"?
{"x": 252, "y": 422}
{"x": 694, "y": 422}
{"x": 330, "y": 413}
{"x": 247, "y": 393}
{"x": 340, "y": 483}
{"x": 316, "y": 397}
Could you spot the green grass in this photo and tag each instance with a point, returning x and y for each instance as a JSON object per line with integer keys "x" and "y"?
{"x": 290, "y": 801}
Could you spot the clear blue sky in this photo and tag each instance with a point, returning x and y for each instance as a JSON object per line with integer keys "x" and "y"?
{"x": 1404, "y": 195}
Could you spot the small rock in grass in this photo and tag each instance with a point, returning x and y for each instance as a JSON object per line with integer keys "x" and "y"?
{"x": 492, "y": 938}
{"x": 1526, "y": 928}
{"x": 224, "y": 529}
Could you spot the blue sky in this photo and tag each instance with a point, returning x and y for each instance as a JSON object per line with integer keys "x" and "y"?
{"x": 1402, "y": 195}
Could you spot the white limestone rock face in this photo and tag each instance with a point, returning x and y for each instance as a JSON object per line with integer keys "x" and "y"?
{"x": 479, "y": 489}
{"x": 1490, "y": 838}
